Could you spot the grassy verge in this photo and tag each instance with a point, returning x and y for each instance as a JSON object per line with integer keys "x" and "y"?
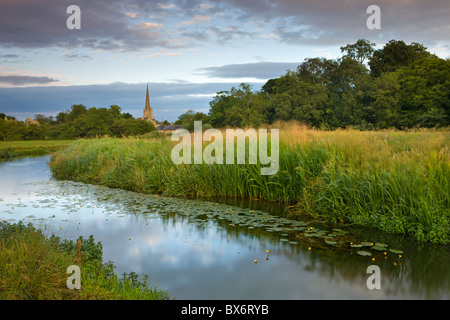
{"x": 34, "y": 266}
{"x": 12, "y": 149}
{"x": 390, "y": 180}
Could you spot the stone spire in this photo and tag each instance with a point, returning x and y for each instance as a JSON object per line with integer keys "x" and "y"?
{"x": 148, "y": 111}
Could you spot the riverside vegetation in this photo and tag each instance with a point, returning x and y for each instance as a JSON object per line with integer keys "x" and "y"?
{"x": 22, "y": 278}
{"x": 13, "y": 149}
{"x": 394, "y": 181}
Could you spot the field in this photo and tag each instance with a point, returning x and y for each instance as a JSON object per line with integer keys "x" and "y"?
{"x": 395, "y": 181}
{"x": 11, "y": 149}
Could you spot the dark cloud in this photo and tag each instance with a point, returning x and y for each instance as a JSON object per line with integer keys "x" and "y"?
{"x": 168, "y": 100}
{"x": 114, "y": 24}
{"x": 324, "y": 22}
{"x": 104, "y": 24}
{"x": 24, "y": 80}
{"x": 9, "y": 56}
{"x": 257, "y": 70}
{"x": 75, "y": 56}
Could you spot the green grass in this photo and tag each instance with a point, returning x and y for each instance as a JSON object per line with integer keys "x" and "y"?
{"x": 395, "y": 181}
{"x": 12, "y": 149}
{"x": 33, "y": 267}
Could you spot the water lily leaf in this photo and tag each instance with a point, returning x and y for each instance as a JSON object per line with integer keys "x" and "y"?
{"x": 366, "y": 244}
{"x": 381, "y": 244}
{"x": 379, "y": 248}
{"x": 292, "y": 242}
{"x": 330, "y": 242}
{"x": 396, "y": 251}
{"x": 364, "y": 253}
{"x": 357, "y": 245}
{"x": 311, "y": 234}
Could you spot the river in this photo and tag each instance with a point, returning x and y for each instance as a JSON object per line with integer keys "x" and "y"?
{"x": 210, "y": 250}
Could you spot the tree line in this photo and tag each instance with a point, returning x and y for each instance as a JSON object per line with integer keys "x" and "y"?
{"x": 78, "y": 122}
{"x": 397, "y": 86}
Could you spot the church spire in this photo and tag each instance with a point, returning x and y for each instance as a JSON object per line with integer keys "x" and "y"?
{"x": 148, "y": 111}
{"x": 147, "y": 101}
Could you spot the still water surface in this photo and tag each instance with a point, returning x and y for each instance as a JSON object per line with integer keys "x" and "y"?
{"x": 207, "y": 250}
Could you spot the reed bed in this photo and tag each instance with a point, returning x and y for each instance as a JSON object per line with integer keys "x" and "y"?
{"x": 396, "y": 181}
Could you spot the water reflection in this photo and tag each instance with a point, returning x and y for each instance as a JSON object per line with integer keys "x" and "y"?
{"x": 202, "y": 250}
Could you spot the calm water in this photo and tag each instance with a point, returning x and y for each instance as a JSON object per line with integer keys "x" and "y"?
{"x": 207, "y": 250}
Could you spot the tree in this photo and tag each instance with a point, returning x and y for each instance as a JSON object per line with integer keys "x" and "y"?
{"x": 218, "y": 107}
{"x": 386, "y": 100}
{"x": 187, "y": 119}
{"x": 425, "y": 93}
{"x": 317, "y": 70}
{"x": 394, "y": 55}
{"x": 115, "y": 111}
{"x": 77, "y": 110}
{"x": 44, "y": 119}
{"x": 360, "y": 51}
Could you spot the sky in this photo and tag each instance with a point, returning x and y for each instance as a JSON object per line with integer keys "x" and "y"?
{"x": 185, "y": 50}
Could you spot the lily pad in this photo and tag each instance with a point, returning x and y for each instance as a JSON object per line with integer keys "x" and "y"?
{"x": 396, "y": 251}
{"x": 330, "y": 242}
{"x": 379, "y": 248}
{"x": 364, "y": 253}
{"x": 381, "y": 244}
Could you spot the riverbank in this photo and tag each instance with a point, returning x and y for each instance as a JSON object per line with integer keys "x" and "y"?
{"x": 24, "y": 279}
{"x": 393, "y": 181}
{"x": 13, "y": 149}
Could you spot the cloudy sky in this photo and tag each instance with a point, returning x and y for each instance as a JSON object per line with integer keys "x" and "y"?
{"x": 186, "y": 50}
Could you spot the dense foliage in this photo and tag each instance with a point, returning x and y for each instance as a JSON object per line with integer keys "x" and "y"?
{"x": 401, "y": 86}
{"x": 78, "y": 122}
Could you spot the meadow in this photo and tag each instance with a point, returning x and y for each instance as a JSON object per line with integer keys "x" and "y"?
{"x": 12, "y": 149}
{"x": 391, "y": 180}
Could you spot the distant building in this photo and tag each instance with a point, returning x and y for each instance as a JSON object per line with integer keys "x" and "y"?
{"x": 29, "y": 121}
{"x": 148, "y": 111}
{"x": 148, "y": 116}
{"x": 168, "y": 128}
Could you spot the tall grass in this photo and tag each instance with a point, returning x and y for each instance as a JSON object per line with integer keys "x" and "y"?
{"x": 395, "y": 181}
{"x": 33, "y": 267}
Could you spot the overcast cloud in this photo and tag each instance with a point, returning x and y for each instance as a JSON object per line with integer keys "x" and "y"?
{"x": 22, "y": 80}
{"x": 139, "y": 24}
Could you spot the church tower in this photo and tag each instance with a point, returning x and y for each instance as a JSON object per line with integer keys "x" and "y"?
{"x": 148, "y": 111}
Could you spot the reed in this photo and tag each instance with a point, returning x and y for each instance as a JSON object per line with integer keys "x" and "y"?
{"x": 396, "y": 181}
